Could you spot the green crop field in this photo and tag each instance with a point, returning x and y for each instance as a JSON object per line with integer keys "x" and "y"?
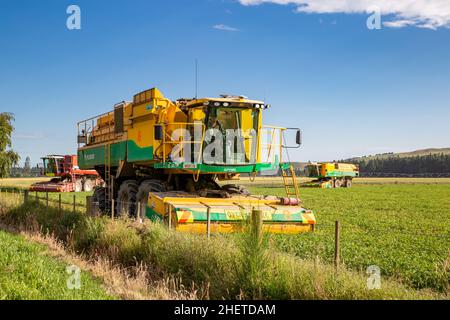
{"x": 401, "y": 225}
{"x": 402, "y": 228}
{"x": 26, "y": 272}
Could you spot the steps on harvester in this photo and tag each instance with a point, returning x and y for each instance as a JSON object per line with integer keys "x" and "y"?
{"x": 109, "y": 194}
{"x": 290, "y": 181}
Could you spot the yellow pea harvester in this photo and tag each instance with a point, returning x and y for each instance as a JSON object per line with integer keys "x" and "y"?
{"x": 132, "y": 147}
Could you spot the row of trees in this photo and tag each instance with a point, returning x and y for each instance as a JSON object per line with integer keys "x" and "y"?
{"x": 420, "y": 165}
{"x": 8, "y": 157}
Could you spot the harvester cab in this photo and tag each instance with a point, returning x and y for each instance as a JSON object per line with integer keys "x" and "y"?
{"x": 170, "y": 160}
{"x": 53, "y": 165}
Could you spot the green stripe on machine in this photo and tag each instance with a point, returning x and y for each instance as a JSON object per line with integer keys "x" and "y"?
{"x": 217, "y": 168}
{"x": 138, "y": 154}
{"x": 90, "y": 157}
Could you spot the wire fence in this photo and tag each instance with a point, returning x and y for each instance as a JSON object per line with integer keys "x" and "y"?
{"x": 403, "y": 175}
{"x": 62, "y": 201}
{"x": 86, "y": 205}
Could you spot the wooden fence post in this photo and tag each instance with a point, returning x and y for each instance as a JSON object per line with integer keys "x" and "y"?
{"x": 46, "y": 198}
{"x": 169, "y": 213}
{"x": 257, "y": 221}
{"x": 337, "y": 244}
{"x": 112, "y": 209}
{"x": 138, "y": 216}
{"x": 74, "y": 203}
{"x": 89, "y": 206}
{"x": 208, "y": 222}
{"x": 37, "y": 199}
{"x": 59, "y": 204}
{"x": 25, "y": 196}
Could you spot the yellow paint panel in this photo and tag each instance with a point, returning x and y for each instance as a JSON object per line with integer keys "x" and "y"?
{"x": 200, "y": 228}
{"x": 142, "y": 133}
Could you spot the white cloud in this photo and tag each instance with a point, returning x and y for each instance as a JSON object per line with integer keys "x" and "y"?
{"x": 224, "y": 27}
{"x": 431, "y": 14}
{"x": 398, "y": 23}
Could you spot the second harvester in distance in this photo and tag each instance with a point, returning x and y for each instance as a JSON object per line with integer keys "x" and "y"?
{"x": 331, "y": 174}
{"x": 168, "y": 160}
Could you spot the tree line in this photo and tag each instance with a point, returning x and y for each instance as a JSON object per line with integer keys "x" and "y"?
{"x": 416, "y": 165}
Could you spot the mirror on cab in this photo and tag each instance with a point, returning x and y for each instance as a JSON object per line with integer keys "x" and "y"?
{"x": 298, "y": 138}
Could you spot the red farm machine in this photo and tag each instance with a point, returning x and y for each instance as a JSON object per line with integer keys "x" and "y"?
{"x": 66, "y": 176}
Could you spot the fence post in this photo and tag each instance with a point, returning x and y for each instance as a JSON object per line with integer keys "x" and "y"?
{"x": 208, "y": 223}
{"x": 169, "y": 213}
{"x": 59, "y": 204}
{"x": 74, "y": 203}
{"x": 25, "y": 196}
{"x": 138, "y": 216}
{"x": 257, "y": 220}
{"x": 37, "y": 199}
{"x": 337, "y": 244}
{"x": 112, "y": 209}
{"x": 46, "y": 198}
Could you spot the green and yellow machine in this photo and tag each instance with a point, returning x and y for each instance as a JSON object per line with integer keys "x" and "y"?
{"x": 331, "y": 174}
{"x": 170, "y": 161}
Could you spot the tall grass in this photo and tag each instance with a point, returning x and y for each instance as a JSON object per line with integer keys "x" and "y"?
{"x": 243, "y": 267}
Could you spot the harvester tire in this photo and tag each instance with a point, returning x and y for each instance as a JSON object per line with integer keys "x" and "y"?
{"x": 348, "y": 183}
{"x": 145, "y": 188}
{"x": 88, "y": 185}
{"x": 337, "y": 183}
{"x": 100, "y": 198}
{"x": 126, "y": 198}
{"x": 78, "y": 185}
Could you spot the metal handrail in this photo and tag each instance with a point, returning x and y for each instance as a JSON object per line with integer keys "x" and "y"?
{"x": 91, "y": 129}
{"x": 273, "y": 145}
{"x": 182, "y": 125}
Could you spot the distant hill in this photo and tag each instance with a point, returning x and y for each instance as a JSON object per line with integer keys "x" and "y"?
{"x": 431, "y": 162}
{"x": 425, "y": 163}
{"x": 422, "y": 152}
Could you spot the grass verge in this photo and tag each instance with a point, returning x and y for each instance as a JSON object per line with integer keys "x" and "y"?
{"x": 27, "y": 272}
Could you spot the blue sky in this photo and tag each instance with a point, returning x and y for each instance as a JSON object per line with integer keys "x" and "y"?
{"x": 352, "y": 90}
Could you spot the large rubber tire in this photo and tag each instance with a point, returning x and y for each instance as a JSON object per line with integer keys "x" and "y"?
{"x": 145, "y": 188}
{"x": 88, "y": 185}
{"x": 78, "y": 185}
{"x": 348, "y": 183}
{"x": 337, "y": 183}
{"x": 99, "y": 197}
{"x": 236, "y": 189}
{"x": 126, "y": 198}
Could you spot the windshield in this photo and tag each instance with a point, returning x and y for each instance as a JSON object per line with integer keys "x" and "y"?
{"x": 238, "y": 128}
{"x": 50, "y": 166}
